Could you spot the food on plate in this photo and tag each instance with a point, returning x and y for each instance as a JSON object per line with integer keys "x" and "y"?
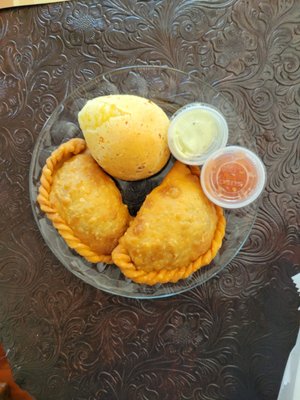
{"x": 126, "y": 135}
{"x": 176, "y": 231}
{"x": 82, "y": 202}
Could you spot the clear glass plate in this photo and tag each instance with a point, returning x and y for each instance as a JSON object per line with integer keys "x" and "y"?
{"x": 170, "y": 89}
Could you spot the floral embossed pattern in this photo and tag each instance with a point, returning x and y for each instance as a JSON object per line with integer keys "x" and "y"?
{"x": 227, "y": 339}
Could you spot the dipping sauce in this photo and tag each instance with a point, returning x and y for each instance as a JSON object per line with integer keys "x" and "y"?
{"x": 233, "y": 177}
{"x": 196, "y": 131}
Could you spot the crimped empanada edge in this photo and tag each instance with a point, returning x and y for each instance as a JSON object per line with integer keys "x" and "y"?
{"x": 123, "y": 260}
{"x": 63, "y": 152}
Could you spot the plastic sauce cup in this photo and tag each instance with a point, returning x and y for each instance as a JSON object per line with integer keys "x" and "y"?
{"x": 196, "y": 130}
{"x": 233, "y": 177}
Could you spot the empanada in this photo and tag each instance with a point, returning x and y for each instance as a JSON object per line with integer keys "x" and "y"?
{"x": 83, "y": 203}
{"x": 176, "y": 231}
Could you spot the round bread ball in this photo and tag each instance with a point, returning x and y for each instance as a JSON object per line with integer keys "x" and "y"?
{"x": 126, "y": 135}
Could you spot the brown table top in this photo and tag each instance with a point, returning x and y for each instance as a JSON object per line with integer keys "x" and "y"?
{"x": 227, "y": 339}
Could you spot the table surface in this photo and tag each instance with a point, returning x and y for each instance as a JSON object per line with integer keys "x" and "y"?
{"x": 227, "y": 339}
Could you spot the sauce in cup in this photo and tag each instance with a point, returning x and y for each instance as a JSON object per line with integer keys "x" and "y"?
{"x": 196, "y": 130}
{"x": 233, "y": 177}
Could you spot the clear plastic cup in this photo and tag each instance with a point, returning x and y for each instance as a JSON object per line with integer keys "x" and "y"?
{"x": 196, "y": 131}
{"x": 233, "y": 177}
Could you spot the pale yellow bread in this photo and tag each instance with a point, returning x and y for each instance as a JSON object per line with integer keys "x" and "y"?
{"x": 176, "y": 231}
{"x": 126, "y": 135}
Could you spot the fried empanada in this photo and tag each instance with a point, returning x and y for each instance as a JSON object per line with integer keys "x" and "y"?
{"x": 83, "y": 203}
{"x": 176, "y": 231}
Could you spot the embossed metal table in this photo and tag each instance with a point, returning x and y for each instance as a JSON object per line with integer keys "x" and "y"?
{"x": 229, "y": 338}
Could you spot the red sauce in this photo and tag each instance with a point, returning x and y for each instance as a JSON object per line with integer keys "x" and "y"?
{"x": 231, "y": 176}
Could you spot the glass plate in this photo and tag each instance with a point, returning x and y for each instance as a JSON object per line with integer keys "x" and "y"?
{"x": 170, "y": 89}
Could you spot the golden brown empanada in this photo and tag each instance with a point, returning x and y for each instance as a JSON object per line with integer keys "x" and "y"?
{"x": 176, "y": 231}
{"x": 83, "y": 203}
